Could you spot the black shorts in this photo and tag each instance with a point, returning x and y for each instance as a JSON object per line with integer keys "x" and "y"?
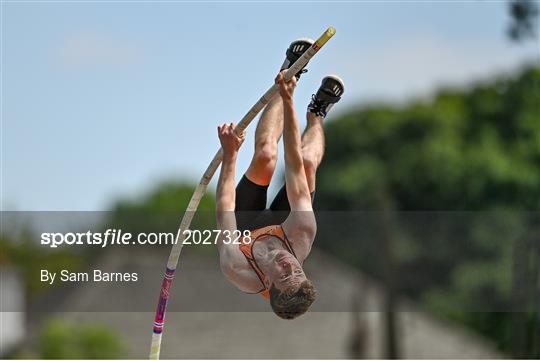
{"x": 251, "y": 212}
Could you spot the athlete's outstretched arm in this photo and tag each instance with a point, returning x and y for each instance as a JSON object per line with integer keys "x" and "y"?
{"x": 230, "y": 256}
{"x": 226, "y": 194}
{"x": 295, "y": 175}
{"x": 300, "y": 225}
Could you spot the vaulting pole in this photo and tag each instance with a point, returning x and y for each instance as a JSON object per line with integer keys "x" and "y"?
{"x": 172, "y": 263}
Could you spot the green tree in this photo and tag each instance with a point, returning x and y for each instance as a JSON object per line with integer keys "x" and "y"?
{"x": 524, "y": 23}
{"x": 161, "y": 210}
{"x": 63, "y": 340}
{"x": 464, "y": 150}
{"x": 29, "y": 258}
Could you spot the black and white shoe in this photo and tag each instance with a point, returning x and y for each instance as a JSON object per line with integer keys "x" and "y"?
{"x": 329, "y": 93}
{"x": 294, "y": 51}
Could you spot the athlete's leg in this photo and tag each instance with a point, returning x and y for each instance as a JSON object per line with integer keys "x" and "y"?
{"x": 252, "y": 188}
{"x": 328, "y": 94}
{"x": 312, "y": 147}
{"x": 270, "y": 125}
{"x": 312, "y": 154}
{"x": 267, "y": 135}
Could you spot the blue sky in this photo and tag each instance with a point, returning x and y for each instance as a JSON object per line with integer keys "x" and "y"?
{"x": 104, "y": 100}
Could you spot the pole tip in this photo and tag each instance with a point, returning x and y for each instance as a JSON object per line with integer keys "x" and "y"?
{"x": 324, "y": 38}
{"x": 331, "y": 31}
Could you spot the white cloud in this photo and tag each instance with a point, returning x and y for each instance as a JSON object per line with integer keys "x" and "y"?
{"x": 90, "y": 49}
{"x": 416, "y": 65}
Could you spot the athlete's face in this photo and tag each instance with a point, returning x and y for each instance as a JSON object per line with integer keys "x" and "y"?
{"x": 286, "y": 271}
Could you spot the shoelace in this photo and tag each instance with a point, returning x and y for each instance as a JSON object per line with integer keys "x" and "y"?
{"x": 317, "y": 106}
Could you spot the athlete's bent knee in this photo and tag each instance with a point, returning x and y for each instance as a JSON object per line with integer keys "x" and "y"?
{"x": 266, "y": 154}
{"x": 310, "y": 163}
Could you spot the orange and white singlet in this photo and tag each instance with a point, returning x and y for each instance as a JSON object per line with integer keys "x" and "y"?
{"x": 262, "y": 234}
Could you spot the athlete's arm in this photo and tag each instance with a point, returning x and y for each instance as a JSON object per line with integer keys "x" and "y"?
{"x": 229, "y": 255}
{"x": 300, "y": 226}
{"x": 226, "y": 194}
{"x": 295, "y": 176}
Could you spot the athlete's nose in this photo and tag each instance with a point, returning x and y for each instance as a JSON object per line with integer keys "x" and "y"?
{"x": 288, "y": 266}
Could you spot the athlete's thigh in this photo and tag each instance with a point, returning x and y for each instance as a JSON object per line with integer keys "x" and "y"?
{"x": 281, "y": 202}
{"x": 250, "y": 201}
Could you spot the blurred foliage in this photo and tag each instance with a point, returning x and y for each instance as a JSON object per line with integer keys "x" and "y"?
{"x": 161, "y": 210}
{"x": 475, "y": 149}
{"x": 464, "y": 150}
{"x": 168, "y": 196}
{"x": 29, "y": 258}
{"x": 62, "y": 340}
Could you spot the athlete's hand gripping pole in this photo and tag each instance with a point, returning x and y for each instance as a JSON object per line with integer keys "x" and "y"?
{"x": 172, "y": 263}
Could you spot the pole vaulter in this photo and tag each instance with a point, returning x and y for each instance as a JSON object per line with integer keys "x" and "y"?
{"x": 172, "y": 262}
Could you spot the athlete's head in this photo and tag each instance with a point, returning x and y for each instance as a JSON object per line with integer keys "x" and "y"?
{"x": 293, "y": 302}
{"x": 291, "y": 293}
